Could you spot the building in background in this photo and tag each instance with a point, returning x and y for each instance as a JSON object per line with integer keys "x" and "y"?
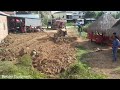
{"x": 60, "y": 14}
{"x": 69, "y": 15}
{"x": 111, "y": 12}
{"x": 3, "y": 26}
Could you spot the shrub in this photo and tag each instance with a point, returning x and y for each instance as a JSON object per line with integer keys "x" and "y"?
{"x": 7, "y": 67}
{"x": 25, "y": 60}
{"x": 80, "y": 71}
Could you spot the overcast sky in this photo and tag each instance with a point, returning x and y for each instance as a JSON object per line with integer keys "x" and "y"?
{"x": 54, "y": 11}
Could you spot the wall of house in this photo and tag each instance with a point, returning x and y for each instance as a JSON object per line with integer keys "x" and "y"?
{"x": 3, "y": 27}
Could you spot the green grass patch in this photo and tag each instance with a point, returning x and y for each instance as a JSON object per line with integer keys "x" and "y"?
{"x": 80, "y": 70}
{"x": 86, "y": 26}
{"x": 69, "y": 24}
{"x": 84, "y": 35}
{"x": 22, "y": 70}
{"x": 25, "y": 60}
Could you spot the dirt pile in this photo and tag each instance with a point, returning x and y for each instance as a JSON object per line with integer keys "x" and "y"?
{"x": 8, "y": 55}
{"x": 52, "y": 58}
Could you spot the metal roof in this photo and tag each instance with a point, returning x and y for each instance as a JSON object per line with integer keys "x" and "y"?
{"x": 33, "y": 16}
{"x": 2, "y": 13}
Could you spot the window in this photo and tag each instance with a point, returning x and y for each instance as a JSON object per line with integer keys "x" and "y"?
{"x": 69, "y": 17}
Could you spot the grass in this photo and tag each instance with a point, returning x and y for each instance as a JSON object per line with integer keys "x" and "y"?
{"x": 86, "y": 26}
{"x": 22, "y": 70}
{"x": 84, "y": 35}
{"x": 69, "y": 24}
{"x": 80, "y": 70}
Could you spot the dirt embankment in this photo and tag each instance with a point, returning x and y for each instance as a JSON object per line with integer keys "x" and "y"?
{"x": 52, "y": 59}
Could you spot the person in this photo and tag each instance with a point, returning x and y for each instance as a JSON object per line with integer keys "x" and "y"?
{"x": 48, "y": 24}
{"x": 79, "y": 27}
{"x": 116, "y": 44}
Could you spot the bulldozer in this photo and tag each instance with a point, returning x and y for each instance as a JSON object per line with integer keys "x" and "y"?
{"x": 59, "y": 35}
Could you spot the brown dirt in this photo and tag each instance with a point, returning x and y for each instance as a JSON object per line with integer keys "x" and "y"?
{"x": 52, "y": 57}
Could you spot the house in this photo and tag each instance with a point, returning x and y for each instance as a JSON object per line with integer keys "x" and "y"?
{"x": 60, "y": 14}
{"x": 3, "y": 26}
{"x": 70, "y": 16}
{"x": 111, "y": 12}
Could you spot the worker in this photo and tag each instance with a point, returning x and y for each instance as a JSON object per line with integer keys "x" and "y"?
{"x": 79, "y": 27}
{"x": 116, "y": 44}
{"x": 49, "y": 24}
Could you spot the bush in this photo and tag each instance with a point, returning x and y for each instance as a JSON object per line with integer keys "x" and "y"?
{"x": 36, "y": 74}
{"x": 22, "y": 70}
{"x": 86, "y": 26}
{"x": 32, "y": 73}
{"x": 80, "y": 71}
{"x": 25, "y": 60}
{"x": 7, "y": 67}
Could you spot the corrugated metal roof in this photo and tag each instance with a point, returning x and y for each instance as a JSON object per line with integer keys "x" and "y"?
{"x": 34, "y": 16}
{"x": 2, "y": 13}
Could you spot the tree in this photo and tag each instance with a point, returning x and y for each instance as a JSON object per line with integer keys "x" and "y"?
{"x": 90, "y": 14}
{"x": 114, "y": 15}
{"x": 99, "y": 14}
{"x": 117, "y": 16}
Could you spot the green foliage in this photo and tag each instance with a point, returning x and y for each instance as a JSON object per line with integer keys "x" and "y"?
{"x": 116, "y": 16}
{"x": 7, "y": 67}
{"x": 89, "y": 14}
{"x": 69, "y": 24}
{"x": 26, "y": 60}
{"x": 86, "y": 26}
{"x": 80, "y": 70}
{"x": 99, "y": 14}
{"x": 32, "y": 73}
{"x": 22, "y": 70}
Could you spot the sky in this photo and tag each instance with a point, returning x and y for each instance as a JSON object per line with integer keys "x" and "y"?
{"x": 54, "y": 11}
